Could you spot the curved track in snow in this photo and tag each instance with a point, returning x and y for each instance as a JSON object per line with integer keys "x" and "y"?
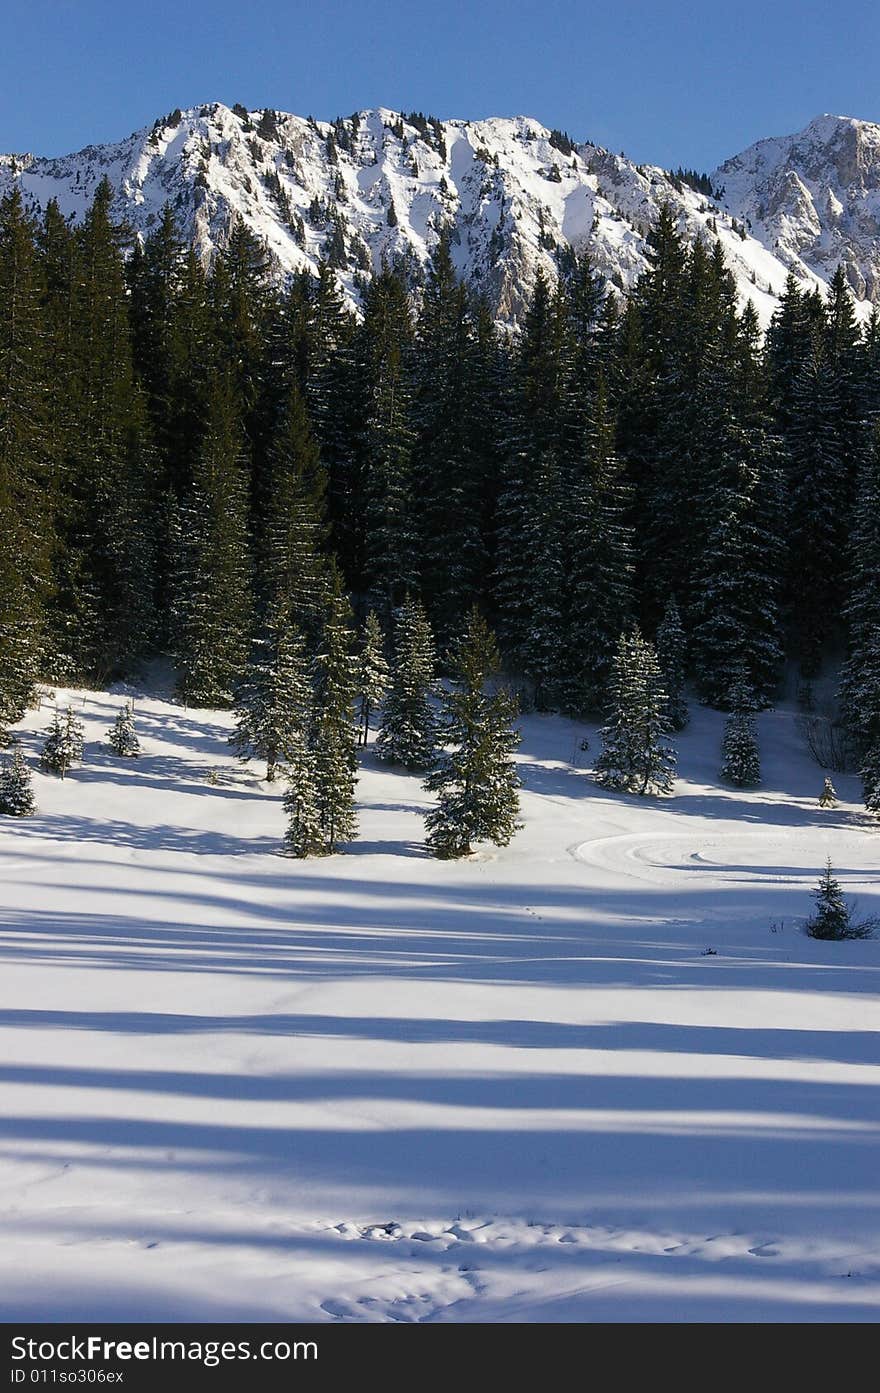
{"x": 785, "y": 855}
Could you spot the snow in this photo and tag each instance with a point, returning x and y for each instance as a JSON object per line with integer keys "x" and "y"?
{"x": 814, "y": 197}
{"x": 381, "y": 1087}
{"x": 213, "y": 167}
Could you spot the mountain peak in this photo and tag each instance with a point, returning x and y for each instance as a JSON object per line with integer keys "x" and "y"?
{"x": 381, "y": 186}
{"x": 814, "y": 197}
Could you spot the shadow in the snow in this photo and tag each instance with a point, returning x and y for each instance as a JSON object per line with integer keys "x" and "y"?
{"x": 834, "y": 1046}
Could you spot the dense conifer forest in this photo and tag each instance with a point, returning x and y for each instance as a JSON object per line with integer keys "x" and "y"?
{"x": 634, "y": 494}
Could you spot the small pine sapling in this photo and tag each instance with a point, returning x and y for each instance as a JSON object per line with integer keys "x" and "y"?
{"x": 828, "y": 796}
{"x": 16, "y": 793}
{"x": 832, "y": 918}
{"x": 63, "y": 745}
{"x": 122, "y": 736}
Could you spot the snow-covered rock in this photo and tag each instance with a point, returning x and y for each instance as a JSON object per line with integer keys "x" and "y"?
{"x": 379, "y": 186}
{"x": 814, "y": 199}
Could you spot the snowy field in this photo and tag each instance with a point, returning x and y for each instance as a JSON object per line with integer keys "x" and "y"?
{"x": 380, "y": 1087}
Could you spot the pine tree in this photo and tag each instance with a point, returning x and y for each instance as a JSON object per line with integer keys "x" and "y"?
{"x": 408, "y": 735}
{"x": 833, "y": 916}
{"x": 598, "y": 562}
{"x": 531, "y": 502}
{"x": 319, "y": 350}
{"x": 789, "y": 342}
{"x": 242, "y": 298}
{"x": 212, "y": 604}
{"x": 828, "y": 796}
{"x": 818, "y": 507}
{"x": 63, "y": 745}
{"x": 385, "y": 434}
{"x": 304, "y": 835}
{"x": 335, "y": 732}
{"x": 452, "y": 465}
{"x": 122, "y": 738}
{"x": 92, "y": 627}
{"x": 741, "y": 762}
{"x": 295, "y": 574}
{"x": 132, "y": 526}
{"x": 737, "y": 572}
{"x": 475, "y": 778}
{"x": 671, "y": 655}
{"x": 634, "y": 755}
{"x": 373, "y": 673}
{"x": 870, "y": 772}
{"x": 26, "y": 459}
{"x": 16, "y": 793}
{"x": 542, "y": 642}
{"x": 860, "y": 685}
{"x": 268, "y": 701}
{"x": 662, "y": 335}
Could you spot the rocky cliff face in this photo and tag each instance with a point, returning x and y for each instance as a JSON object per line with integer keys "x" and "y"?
{"x": 814, "y": 199}
{"x": 379, "y": 186}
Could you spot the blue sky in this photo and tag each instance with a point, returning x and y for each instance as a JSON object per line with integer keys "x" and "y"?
{"x": 671, "y": 82}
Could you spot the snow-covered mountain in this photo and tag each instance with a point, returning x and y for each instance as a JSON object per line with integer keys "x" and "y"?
{"x": 814, "y": 199}
{"x": 378, "y": 186}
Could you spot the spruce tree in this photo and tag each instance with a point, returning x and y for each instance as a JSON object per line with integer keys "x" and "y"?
{"x": 870, "y": 771}
{"x": 26, "y": 460}
{"x": 741, "y": 762}
{"x": 828, "y": 796}
{"x": 63, "y": 745}
{"x": 304, "y": 833}
{"x": 335, "y": 732}
{"x": 542, "y": 643}
{"x": 634, "y": 754}
{"x": 789, "y": 341}
{"x": 16, "y": 793}
{"x": 475, "y": 778}
{"x": 451, "y": 462}
{"x": 408, "y": 733}
{"x": 319, "y": 349}
{"x": 598, "y": 562}
{"x": 671, "y": 655}
{"x": 662, "y": 337}
{"x": 860, "y": 685}
{"x": 242, "y": 301}
{"x": 818, "y": 505}
{"x": 122, "y": 737}
{"x": 735, "y": 620}
{"x": 385, "y": 436}
{"x": 212, "y": 603}
{"x": 373, "y": 673}
{"x": 294, "y": 573}
{"x": 92, "y": 626}
{"x": 833, "y": 916}
{"x": 531, "y": 502}
{"x": 268, "y": 699}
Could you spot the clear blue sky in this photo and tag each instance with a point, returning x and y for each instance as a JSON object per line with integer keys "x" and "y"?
{"x": 669, "y": 82}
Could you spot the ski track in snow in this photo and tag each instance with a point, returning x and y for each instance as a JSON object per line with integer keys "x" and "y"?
{"x": 380, "y": 1087}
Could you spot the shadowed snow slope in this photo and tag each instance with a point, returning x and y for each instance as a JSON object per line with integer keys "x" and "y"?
{"x": 377, "y": 1086}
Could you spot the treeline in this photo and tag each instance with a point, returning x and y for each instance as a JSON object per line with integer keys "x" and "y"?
{"x": 195, "y": 462}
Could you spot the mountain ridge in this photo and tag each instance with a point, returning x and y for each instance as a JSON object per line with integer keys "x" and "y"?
{"x": 512, "y": 194}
